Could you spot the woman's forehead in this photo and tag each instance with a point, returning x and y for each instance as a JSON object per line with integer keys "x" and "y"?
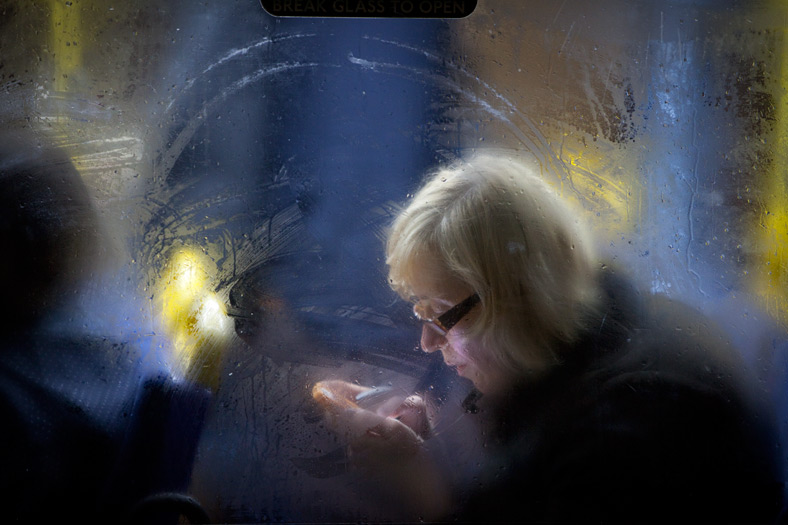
{"x": 431, "y": 281}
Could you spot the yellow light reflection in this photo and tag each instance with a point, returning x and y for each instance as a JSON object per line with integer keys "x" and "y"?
{"x": 771, "y": 264}
{"x": 193, "y": 316}
{"x": 603, "y": 180}
{"x": 66, "y": 46}
{"x": 592, "y": 179}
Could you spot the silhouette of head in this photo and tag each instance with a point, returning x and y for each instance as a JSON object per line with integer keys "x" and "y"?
{"x": 48, "y": 229}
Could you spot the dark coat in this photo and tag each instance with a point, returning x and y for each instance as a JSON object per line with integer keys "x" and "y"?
{"x": 87, "y": 432}
{"x": 651, "y": 417}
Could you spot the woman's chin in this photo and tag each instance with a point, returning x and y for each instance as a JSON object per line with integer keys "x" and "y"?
{"x": 479, "y": 381}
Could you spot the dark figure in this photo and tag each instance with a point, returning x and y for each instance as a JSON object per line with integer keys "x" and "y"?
{"x": 648, "y": 419}
{"x": 88, "y": 431}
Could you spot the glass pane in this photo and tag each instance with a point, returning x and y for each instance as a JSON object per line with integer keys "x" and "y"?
{"x": 216, "y": 185}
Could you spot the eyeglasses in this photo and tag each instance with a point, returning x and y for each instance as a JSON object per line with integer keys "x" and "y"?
{"x": 446, "y": 321}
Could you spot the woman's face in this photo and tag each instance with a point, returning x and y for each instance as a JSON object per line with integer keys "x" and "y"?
{"x": 436, "y": 292}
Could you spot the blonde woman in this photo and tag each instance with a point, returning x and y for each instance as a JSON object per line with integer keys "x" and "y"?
{"x": 604, "y": 403}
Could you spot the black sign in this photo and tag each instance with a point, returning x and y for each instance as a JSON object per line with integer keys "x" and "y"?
{"x": 370, "y": 8}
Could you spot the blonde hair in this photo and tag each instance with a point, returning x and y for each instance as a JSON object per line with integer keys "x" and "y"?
{"x": 492, "y": 223}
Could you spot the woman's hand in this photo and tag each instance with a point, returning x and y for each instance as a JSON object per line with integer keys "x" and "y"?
{"x": 374, "y": 439}
{"x": 413, "y": 413}
{"x": 336, "y": 396}
{"x": 387, "y": 447}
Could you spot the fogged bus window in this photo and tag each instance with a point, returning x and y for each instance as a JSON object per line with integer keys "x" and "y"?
{"x": 243, "y": 169}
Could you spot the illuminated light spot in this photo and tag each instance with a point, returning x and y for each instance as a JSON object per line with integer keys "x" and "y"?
{"x": 193, "y": 316}
{"x": 770, "y": 278}
{"x": 211, "y": 317}
{"x": 604, "y": 186}
{"x": 67, "y": 30}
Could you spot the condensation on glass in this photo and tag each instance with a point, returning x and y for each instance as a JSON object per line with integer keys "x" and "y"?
{"x": 245, "y": 169}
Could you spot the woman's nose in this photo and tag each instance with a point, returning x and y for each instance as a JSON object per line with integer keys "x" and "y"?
{"x": 431, "y": 340}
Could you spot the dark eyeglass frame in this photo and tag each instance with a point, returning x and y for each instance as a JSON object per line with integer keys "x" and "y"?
{"x": 446, "y": 321}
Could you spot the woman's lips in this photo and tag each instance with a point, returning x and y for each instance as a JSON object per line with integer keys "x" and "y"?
{"x": 459, "y": 367}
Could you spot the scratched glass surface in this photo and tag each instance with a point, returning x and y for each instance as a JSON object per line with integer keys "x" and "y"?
{"x": 246, "y": 168}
